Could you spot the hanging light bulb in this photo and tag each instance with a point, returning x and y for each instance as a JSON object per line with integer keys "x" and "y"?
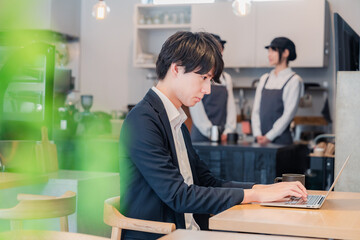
{"x": 241, "y": 7}
{"x": 100, "y": 10}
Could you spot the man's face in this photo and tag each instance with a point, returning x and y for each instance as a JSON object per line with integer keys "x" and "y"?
{"x": 190, "y": 88}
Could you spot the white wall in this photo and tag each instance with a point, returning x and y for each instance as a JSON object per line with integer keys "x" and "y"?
{"x": 106, "y": 57}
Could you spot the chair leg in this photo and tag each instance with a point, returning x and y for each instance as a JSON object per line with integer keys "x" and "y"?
{"x": 15, "y": 225}
{"x": 64, "y": 224}
{"x": 115, "y": 233}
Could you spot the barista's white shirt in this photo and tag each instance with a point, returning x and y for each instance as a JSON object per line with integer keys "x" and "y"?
{"x": 177, "y": 117}
{"x": 291, "y": 96}
{"x": 201, "y": 120}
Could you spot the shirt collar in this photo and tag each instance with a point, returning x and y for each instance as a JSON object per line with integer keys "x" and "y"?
{"x": 284, "y": 72}
{"x": 176, "y": 116}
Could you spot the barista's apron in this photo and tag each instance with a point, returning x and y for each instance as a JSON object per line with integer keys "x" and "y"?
{"x": 215, "y": 105}
{"x": 271, "y": 109}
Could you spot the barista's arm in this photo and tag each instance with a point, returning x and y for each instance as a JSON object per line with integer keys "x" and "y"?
{"x": 230, "y": 125}
{"x": 200, "y": 119}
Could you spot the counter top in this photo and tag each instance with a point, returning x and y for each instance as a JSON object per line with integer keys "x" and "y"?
{"x": 239, "y": 144}
{"x": 10, "y": 180}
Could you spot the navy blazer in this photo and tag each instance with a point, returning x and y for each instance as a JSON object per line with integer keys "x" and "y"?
{"x": 152, "y": 187}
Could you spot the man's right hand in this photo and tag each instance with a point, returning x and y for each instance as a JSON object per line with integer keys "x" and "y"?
{"x": 275, "y": 192}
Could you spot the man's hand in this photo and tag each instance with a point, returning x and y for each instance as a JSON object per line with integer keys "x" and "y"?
{"x": 275, "y": 192}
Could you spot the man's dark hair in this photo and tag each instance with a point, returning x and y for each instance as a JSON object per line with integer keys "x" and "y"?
{"x": 194, "y": 51}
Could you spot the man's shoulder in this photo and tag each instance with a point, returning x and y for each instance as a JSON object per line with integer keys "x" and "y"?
{"x": 150, "y": 104}
{"x": 143, "y": 108}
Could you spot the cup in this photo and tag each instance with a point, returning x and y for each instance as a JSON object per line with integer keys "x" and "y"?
{"x": 86, "y": 102}
{"x": 291, "y": 177}
{"x": 214, "y": 134}
{"x": 232, "y": 138}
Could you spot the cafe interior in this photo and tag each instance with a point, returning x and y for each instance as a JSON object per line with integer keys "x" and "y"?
{"x": 72, "y": 70}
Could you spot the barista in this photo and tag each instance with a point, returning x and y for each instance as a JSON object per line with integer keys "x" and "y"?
{"x": 277, "y": 95}
{"x": 215, "y": 109}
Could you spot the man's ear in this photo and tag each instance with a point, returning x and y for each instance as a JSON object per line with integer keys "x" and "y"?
{"x": 174, "y": 68}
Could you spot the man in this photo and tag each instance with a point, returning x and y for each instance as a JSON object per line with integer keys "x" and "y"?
{"x": 162, "y": 177}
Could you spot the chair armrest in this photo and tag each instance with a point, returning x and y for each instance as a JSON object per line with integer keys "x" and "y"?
{"x": 114, "y": 218}
{"x": 145, "y": 225}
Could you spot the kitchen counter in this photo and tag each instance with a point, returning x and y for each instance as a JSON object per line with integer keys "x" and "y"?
{"x": 245, "y": 161}
{"x": 239, "y": 145}
{"x": 100, "y": 155}
{"x": 11, "y": 180}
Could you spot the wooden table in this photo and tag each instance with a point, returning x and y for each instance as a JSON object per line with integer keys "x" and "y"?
{"x": 10, "y": 180}
{"x": 339, "y": 217}
{"x": 182, "y": 234}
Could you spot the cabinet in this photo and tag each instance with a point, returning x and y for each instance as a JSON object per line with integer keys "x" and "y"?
{"x": 61, "y": 16}
{"x": 239, "y": 32}
{"x": 246, "y": 36}
{"x": 301, "y": 21}
{"x": 153, "y": 25}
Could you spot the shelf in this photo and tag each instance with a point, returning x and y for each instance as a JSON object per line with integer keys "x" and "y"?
{"x": 244, "y": 87}
{"x": 153, "y": 24}
{"x": 163, "y": 26}
{"x": 152, "y": 6}
{"x": 319, "y": 89}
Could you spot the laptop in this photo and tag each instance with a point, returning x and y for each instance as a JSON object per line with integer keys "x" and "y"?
{"x": 313, "y": 201}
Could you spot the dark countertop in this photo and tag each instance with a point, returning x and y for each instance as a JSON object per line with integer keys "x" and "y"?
{"x": 240, "y": 144}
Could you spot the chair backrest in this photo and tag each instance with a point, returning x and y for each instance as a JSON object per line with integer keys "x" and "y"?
{"x": 117, "y": 221}
{"x": 40, "y": 207}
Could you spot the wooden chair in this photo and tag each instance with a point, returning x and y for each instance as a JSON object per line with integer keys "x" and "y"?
{"x": 117, "y": 221}
{"x": 40, "y": 207}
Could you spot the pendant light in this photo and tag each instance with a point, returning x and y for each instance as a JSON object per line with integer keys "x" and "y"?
{"x": 241, "y": 7}
{"x": 100, "y": 10}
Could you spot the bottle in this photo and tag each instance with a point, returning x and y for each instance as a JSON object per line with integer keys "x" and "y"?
{"x": 214, "y": 133}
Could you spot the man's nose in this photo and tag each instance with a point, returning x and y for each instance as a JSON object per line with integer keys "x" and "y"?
{"x": 206, "y": 88}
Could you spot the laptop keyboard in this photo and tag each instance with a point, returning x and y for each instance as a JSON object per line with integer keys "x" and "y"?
{"x": 311, "y": 200}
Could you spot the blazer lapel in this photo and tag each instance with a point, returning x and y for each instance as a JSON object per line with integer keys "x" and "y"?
{"x": 158, "y": 106}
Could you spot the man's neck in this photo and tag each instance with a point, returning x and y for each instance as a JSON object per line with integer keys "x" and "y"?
{"x": 166, "y": 90}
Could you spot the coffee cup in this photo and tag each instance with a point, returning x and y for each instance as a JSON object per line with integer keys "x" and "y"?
{"x": 291, "y": 177}
{"x": 232, "y": 138}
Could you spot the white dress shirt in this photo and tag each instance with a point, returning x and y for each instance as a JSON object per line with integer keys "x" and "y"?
{"x": 201, "y": 120}
{"x": 177, "y": 117}
{"x": 291, "y": 96}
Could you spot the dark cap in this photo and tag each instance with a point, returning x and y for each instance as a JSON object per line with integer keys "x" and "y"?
{"x": 217, "y": 37}
{"x": 284, "y": 43}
